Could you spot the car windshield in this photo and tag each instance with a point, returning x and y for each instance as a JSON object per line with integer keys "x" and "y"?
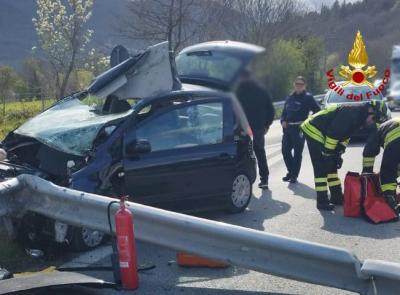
{"x": 334, "y": 97}
{"x": 208, "y": 65}
{"x": 72, "y": 125}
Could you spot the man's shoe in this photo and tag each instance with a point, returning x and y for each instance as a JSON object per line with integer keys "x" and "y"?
{"x": 293, "y": 180}
{"x": 325, "y": 206}
{"x": 287, "y": 177}
{"x": 263, "y": 185}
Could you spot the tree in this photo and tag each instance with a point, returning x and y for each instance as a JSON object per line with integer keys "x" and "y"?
{"x": 312, "y": 50}
{"x": 178, "y": 21}
{"x": 62, "y": 36}
{"x": 279, "y": 68}
{"x": 8, "y": 80}
{"x": 258, "y": 21}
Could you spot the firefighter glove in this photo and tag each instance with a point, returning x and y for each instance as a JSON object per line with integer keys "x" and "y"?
{"x": 339, "y": 161}
{"x": 328, "y": 153}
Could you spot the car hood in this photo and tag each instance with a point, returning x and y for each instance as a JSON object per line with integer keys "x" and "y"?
{"x": 69, "y": 126}
{"x": 215, "y": 64}
{"x": 146, "y": 74}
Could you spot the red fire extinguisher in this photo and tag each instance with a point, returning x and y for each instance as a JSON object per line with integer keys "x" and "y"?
{"x": 126, "y": 247}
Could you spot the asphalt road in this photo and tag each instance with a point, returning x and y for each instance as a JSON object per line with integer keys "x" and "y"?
{"x": 285, "y": 209}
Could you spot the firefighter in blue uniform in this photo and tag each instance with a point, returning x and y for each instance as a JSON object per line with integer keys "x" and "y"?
{"x": 327, "y": 134}
{"x": 388, "y": 137}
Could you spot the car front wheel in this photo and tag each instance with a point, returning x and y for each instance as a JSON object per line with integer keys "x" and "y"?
{"x": 82, "y": 238}
{"x": 241, "y": 193}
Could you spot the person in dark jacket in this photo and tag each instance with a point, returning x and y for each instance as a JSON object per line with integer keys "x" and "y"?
{"x": 296, "y": 109}
{"x": 260, "y": 112}
{"x": 327, "y": 134}
{"x": 388, "y": 137}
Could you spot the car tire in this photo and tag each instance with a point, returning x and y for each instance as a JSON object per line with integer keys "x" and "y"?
{"x": 81, "y": 238}
{"x": 241, "y": 194}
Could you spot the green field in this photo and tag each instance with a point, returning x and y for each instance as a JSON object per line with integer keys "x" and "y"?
{"x": 18, "y": 112}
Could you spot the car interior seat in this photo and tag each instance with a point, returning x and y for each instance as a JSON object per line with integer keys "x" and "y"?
{"x": 114, "y": 105}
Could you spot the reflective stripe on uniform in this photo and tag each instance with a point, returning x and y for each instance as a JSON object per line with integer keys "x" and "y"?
{"x": 320, "y": 180}
{"x": 334, "y": 183}
{"x": 392, "y": 135}
{"x": 368, "y": 161}
{"x": 312, "y": 131}
{"x": 330, "y": 143}
{"x": 321, "y": 188}
{"x": 389, "y": 187}
{"x": 320, "y": 184}
{"x": 333, "y": 175}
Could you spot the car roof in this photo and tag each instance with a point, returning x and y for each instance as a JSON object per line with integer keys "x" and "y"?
{"x": 237, "y": 48}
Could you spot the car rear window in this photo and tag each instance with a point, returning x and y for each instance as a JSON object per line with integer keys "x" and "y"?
{"x": 207, "y": 65}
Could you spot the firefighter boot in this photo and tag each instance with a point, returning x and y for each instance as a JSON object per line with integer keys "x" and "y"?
{"x": 336, "y": 195}
{"x": 323, "y": 202}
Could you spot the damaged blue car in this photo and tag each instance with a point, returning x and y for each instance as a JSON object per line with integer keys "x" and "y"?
{"x": 166, "y": 132}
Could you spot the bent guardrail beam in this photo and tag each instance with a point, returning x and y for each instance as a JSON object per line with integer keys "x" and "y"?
{"x": 260, "y": 251}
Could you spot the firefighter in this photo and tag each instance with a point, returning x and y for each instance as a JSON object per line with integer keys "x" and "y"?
{"x": 388, "y": 137}
{"x": 327, "y": 134}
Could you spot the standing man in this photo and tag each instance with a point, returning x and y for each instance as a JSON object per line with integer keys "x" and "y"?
{"x": 388, "y": 137}
{"x": 296, "y": 109}
{"x": 327, "y": 134}
{"x": 260, "y": 113}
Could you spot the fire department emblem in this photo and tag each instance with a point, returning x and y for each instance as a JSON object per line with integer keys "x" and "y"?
{"x": 358, "y": 59}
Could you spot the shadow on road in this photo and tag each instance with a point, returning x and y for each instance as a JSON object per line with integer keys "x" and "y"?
{"x": 302, "y": 190}
{"x": 336, "y": 222}
{"x": 260, "y": 209}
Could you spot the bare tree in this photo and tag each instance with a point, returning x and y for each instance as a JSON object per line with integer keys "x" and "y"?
{"x": 178, "y": 21}
{"x": 258, "y": 21}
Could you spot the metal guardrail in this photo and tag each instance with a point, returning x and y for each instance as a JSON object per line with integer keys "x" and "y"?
{"x": 268, "y": 253}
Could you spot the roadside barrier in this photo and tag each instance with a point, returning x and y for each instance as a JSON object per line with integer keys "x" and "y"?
{"x": 260, "y": 251}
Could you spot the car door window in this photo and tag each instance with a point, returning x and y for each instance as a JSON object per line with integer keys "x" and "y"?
{"x": 192, "y": 125}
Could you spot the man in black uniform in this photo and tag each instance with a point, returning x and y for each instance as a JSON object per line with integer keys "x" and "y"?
{"x": 328, "y": 133}
{"x": 296, "y": 109}
{"x": 260, "y": 112}
{"x": 388, "y": 137}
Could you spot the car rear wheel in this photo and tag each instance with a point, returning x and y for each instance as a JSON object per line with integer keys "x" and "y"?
{"x": 83, "y": 238}
{"x": 241, "y": 193}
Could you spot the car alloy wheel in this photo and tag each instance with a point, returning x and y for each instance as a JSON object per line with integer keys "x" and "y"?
{"x": 83, "y": 238}
{"x": 241, "y": 193}
{"x": 92, "y": 238}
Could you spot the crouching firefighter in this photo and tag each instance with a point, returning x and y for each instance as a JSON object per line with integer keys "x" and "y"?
{"x": 327, "y": 134}
{"x": 388, "y": 137}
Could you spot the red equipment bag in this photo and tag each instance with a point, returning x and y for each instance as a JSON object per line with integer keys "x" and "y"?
{"x": 352, "y": 195}
{"x": 363, "y": 196}
{"x": 376, "y": 208}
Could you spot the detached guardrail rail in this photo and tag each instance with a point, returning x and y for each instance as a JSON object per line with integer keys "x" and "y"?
{"x": 268, "y": 253}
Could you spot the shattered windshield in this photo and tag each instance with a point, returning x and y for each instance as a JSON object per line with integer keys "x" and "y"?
{"x": 72, "y": 125}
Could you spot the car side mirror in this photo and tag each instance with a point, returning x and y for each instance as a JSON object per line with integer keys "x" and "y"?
{"x": 141, "y": 146}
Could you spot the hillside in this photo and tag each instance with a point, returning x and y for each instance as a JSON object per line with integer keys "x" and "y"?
{"x": 336, "y": 25}
{"x": 17, "y": 34}
{"x": 378, "y": 22}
